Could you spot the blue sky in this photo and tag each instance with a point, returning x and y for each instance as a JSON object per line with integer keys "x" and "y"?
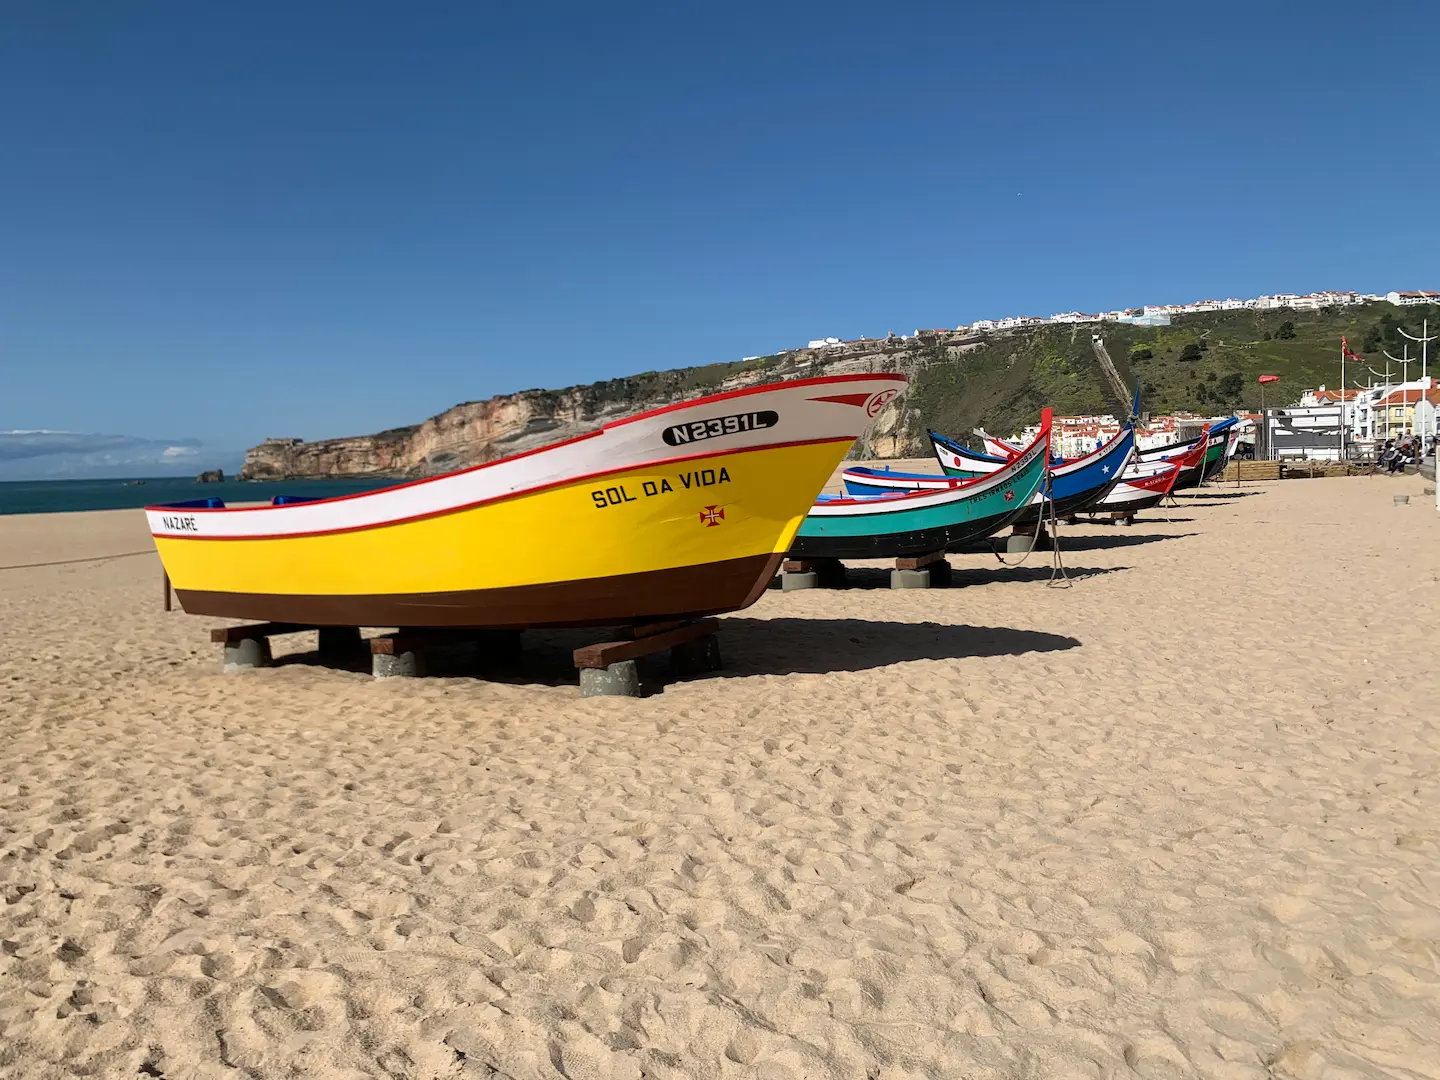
{"x": 223, "y": 222}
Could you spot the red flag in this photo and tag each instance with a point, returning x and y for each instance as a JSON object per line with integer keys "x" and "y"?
{"x": 1345, "y": 345}
{"x": 1269, "y": 378}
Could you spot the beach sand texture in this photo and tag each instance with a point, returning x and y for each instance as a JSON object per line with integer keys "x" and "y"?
{"x": 1180, "y": 819}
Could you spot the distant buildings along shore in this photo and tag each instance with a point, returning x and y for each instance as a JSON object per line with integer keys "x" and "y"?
{"x": 1153, "y": 314}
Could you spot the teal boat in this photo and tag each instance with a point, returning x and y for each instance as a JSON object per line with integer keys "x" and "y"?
{"x": 946, "y": 516}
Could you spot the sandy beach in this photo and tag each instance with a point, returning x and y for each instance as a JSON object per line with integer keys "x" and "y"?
{"x": 1179, "y": 819}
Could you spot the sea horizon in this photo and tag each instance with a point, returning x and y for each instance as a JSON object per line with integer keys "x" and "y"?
{"x": 136, "y": 492}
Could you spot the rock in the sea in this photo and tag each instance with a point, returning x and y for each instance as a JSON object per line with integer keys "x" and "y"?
{"x": 211, "y": 476}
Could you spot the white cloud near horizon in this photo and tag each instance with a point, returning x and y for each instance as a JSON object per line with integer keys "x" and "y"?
{"x": 56, "y": 455}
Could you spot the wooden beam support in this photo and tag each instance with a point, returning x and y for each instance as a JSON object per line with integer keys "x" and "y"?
{"x": 831, "y": 571}
{"x": 408, "y": 640}
{"x": 919, "y": 562}
{"x": 605, "y": 653}
{"x": 231, "y": 634}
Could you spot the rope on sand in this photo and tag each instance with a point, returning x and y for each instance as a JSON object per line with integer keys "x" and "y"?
{"x": 67, "y": 562}
{"x": 1059, "y": 579}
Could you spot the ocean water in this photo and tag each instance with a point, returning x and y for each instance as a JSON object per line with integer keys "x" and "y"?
{"x": 51, "y": 496}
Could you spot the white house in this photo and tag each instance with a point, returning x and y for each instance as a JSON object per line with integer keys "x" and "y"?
{"x": 1279, "y": 300}
{"x": 822, "y": 343}
{"x": 1406, "y": 299}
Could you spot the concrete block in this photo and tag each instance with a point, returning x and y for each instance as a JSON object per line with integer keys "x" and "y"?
{"x": 1402, "y": 500}
{"x": 909, "y": 579}
{"x": 405, "y": 665}
{"x": 795, "y": 582}
{"x": 1020, "y": 543}
{"x": 617, "y": 680}
{"x": 696, "y": 657}
{"x": 247, "y": 653}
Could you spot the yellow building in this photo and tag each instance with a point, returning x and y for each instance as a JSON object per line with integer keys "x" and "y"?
{"x": 1394, "y": 414}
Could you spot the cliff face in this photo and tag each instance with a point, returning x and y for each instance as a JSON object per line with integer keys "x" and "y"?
{"x": 1000, "y": 380}
{"x": 481, "y": 431}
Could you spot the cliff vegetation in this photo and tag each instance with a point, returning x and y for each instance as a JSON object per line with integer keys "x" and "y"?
{"x": 1205, "y": 363}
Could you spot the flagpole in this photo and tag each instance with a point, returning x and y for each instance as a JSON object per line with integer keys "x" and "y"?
{"x": 1344, "y": 348}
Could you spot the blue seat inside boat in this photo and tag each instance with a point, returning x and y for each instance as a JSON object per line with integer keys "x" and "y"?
{"x": 291, "y": 500}
{"x": 211, "y": 503}
{"x": 860, "y": 470}
{"x": 863, "y": 496}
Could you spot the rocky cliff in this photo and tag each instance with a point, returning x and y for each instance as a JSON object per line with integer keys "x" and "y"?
{"x": 1205, "y": 363}
{"x": 481, "y": 431}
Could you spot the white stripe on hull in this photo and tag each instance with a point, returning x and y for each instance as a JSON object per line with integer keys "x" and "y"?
{"x": 706, "y": 426}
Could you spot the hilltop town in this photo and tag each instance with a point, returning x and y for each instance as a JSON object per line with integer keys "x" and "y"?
{"x": 1191, "y": 360}
{"x": 1155, "y": 314}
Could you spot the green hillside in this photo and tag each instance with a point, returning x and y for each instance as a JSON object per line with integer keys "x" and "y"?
{"x": 1206, "y": 363}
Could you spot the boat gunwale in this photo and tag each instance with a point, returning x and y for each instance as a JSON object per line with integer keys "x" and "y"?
{"x": 998, "y": 478}
{"x": 1066, "y": 467}
{"x": 708, "y": 399}
{"x": 503, "y": 497}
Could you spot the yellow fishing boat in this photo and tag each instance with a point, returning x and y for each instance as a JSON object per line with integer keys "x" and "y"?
{"x": 681, "y": 511}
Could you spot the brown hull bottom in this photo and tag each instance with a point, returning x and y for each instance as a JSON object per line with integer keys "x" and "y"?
{"x": 680, "y": 592}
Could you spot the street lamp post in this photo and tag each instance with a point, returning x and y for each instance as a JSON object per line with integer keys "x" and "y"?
{"x": 1423, "y": 414}
{"x": 1385, "y": 392}
{"x": 1264, "y": 417}
{"x": 1424, "y": 339}
{"x": 1404, "y": 360}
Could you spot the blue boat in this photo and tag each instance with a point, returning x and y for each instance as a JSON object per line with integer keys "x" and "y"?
{"x": 1076, "y": 485}
{"x": 946, "y": 515}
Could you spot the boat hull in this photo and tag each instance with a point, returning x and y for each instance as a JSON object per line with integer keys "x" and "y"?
{"x": 1075, "y": 486}
{"x": 1128, "y": 505}
{"x": 674, "y": 592}
{"x": 918, "y": 522}
{"x": 952, "y": 536}
{"x": 643, "y": 520}
{"x": 1189, "y": 477}
{"x": 1144, "y": 486}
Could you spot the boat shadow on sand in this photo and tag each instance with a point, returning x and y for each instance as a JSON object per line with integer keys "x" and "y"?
{"x": 1037, "y": 568}
{"x": 818, "y": 646}
{"x": 783, "y": 646}
{"x": 788, "y": 646}
{"x": 1117, "y": 540}
{"x": 1207, "y": 496}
